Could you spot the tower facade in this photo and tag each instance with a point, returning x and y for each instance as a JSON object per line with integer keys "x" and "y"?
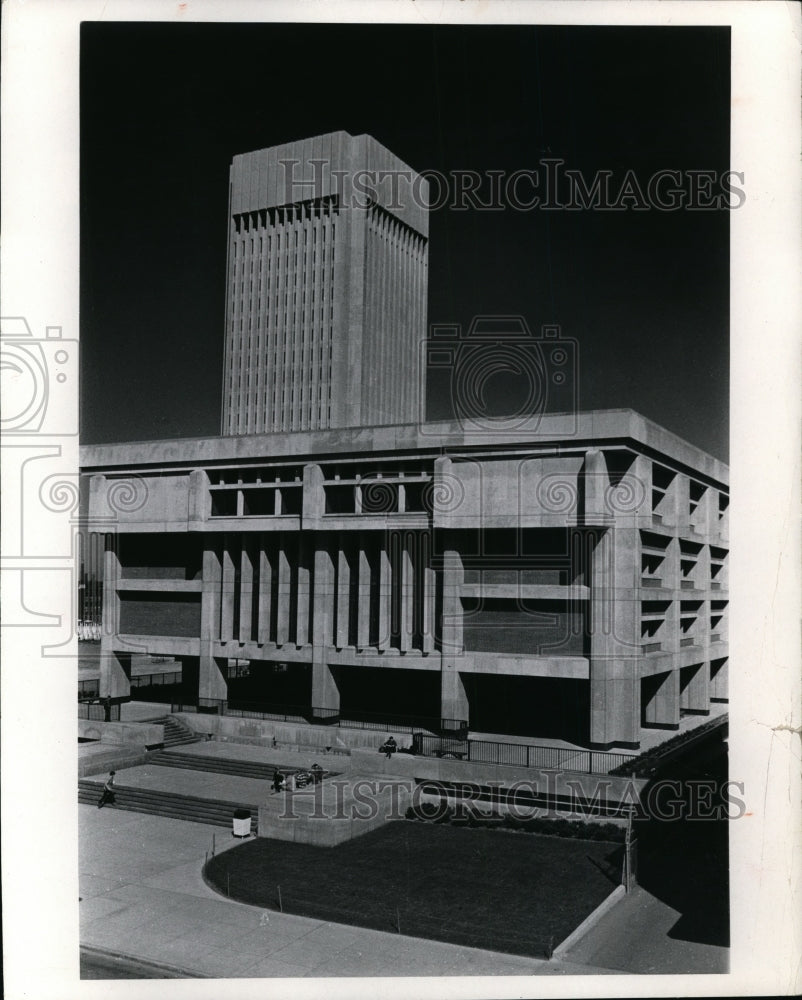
{"x": 327, "y": 285}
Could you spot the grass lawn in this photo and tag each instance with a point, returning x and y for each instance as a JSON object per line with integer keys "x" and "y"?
{"x": 493, "y": 889}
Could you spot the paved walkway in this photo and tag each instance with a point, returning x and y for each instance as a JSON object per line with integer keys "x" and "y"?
{"x": 636, "y": 936}
{"x": 143, "y": 896}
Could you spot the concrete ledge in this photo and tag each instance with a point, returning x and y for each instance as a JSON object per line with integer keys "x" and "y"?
{"x": 122, "y": 733}
{"x": 160, "y": 969}
{"x": 611, "y": 788}
{"x": 589, "y": 922}
{"x": 108, "y": 758}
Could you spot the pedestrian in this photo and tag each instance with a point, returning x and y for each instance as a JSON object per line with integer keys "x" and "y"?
{"x": 108, "y": 791}
{"x": 278, "y": 781}
{"x": 317, "y": 774}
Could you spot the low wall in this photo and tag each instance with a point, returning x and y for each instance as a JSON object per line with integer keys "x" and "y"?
{"x": 107, "y": 758}
{"x": 122, "y": 733}
{"x": 610, "y": 789}
{"x": 333, "y": 813}
{"x": 262, "y": 732}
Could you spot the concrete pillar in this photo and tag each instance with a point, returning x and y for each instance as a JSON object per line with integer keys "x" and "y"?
{"x": 302, "y": 617}
{"x": 429, "y": 596}
{"x": 199, "y": 499}
{"x": 453, "y": 697}
{"x": 265, "y": 587}
{"x": 213, "y": 677}
{"x": 246, "y": 591}
{"x": 662, "y": 709}
{"x": 363, "y": 593}
{"x": 407, "y": 582}
{"x": 227, "y": 591}
{"x": 695, "y": 689}
{"x": 718, "y": 672}
{"x": 385, "y": 594}
{"x": 594, "y": 481}
{"x": 615, "y": 643}
{"x": 115, "y": 675}
{"x": 284, "y": 584}
{"x": 325, "y": 693}
{"x": 343, "y": 593}
{"x": 314, "y": 500}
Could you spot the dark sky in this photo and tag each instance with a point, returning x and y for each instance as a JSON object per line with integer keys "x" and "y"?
{"x": 644, "y": 293}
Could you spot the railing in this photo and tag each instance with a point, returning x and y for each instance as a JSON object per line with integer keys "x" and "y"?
{"x": 519, "y": 754}
{"x": 315, "y": 713}
{"x": 98, "y": 711}
{"x": 403, "y": 723}
{"x": 156, "y": 680}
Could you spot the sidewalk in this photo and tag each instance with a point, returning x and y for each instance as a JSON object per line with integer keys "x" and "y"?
{"x": 143, "y": 896}
{"x": 635, "y": 936}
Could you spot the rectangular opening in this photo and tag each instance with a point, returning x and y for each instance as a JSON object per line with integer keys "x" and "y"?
{"x": 224, "y": 503}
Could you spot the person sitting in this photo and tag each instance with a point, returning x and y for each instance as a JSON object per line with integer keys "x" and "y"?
{"x": 389, "y": 747}
{"x": 278, "y": 781}
{"x": 108, "y": 791}
{"x": 317, "y": 773}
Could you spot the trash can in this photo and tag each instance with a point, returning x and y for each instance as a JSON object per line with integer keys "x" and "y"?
{"x": 242, "y": 823}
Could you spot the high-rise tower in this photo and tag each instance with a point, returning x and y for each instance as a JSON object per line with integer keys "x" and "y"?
{"x": 327, "y": 282}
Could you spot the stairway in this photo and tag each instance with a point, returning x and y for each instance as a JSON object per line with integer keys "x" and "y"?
{"x": 176, "y": 733}
{"x": 219, "y": 765}
{"x": 187, "y": 807}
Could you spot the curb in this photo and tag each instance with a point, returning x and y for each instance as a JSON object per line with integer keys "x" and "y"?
{"x": 589, "y": 922}
{"x": 170, "y": 971}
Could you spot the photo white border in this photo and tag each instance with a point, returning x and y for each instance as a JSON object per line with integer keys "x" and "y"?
{"x": 39, "y": 280}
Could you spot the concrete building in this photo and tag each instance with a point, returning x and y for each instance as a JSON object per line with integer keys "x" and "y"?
{"x": 557, "y": 577}
{"x": 327, "y": 280}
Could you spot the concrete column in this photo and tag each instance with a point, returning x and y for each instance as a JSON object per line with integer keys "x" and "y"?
{"x": 199, "y": 499}
{"x": 428, "y": 607}
{"x": 302, "y": 636}
{"x": 227, "y": 592}
{"x": 662, "y": 709}
{"x": 246, "y": 591}
{"x": 719, "y": 678}
{"x": 594, "y": 481}
{"x": 212, "y": 585}
{"x": 385, "y": 594}
{"x": 453, "y": 697}
{"x": 615, "y": 644}
{"x": 314, "y": 500}
{"x": 695, "y": 695}
{"x": 284, "y": 583}
{"x": 343, "y": 593}
{"x": 363, "y": 594}
{"x": 407, "y": 581}
{"x": 265, "y": 587}
{"x": 325, "y": 693}
{"x": 213, "y": 677}
{"x": 115, "y": 675}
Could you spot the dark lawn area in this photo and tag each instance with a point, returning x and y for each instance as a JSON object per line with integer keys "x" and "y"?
{"x": 510, "y": 892}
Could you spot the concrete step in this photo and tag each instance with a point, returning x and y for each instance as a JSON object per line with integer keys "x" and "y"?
{"x": 214, "y": 812}
{"x": 218, "y": 765}
{"x": 176, "y": 733}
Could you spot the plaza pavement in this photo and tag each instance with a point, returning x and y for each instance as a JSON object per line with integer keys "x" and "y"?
{"x": 143, "y": 897}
